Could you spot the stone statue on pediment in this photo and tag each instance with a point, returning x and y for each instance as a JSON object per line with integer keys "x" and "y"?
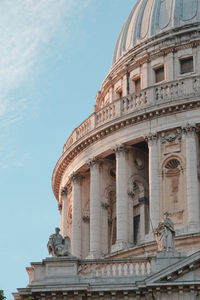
{"x": 165, "y": 234}
{"x": 57, "y": 245}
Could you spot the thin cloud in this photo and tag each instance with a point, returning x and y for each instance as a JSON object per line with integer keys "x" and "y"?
{"x": 26, "y": 27}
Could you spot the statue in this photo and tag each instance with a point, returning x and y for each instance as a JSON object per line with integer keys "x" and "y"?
{"x": 57, "y": 245}
{"x": 165, "y": 234}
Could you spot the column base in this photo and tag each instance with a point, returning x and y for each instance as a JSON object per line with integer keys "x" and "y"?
{"x": 121, "y": 245}
{"x": 94, "y": 255}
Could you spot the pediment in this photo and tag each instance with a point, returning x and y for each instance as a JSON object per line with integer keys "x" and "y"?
{"x": 186, "y": 269}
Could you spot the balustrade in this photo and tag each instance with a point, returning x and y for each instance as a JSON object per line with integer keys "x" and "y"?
{"x": 117, "y": 268}
{"x": 154, "y": 95}
{"x": 134, "y": 102}
{"x": 106, "y": 114}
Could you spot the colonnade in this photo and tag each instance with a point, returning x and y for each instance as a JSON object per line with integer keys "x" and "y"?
{"x": 122, "y": 198}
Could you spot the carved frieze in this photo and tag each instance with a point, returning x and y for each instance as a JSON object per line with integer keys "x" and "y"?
{"x": 170, "y": 136}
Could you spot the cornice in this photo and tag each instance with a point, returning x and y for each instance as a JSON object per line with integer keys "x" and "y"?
{"x": 109, "y": 128}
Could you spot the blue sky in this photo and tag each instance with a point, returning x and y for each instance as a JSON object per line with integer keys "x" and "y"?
{"x": 54, "y": 55}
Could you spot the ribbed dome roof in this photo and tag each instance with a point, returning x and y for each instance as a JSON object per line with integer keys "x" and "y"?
{"x": 151, "y": 17}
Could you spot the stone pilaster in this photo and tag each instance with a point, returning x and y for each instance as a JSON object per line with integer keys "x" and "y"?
{"x": 76, "y": 215}
{"x": 189, "y": 132}
{"x": 154, "y": 184}
{"x": 121, "y": 198}
{"x": 95, "y": 209}
{"x": 64, "y": 197}
{"x": 142, "y": 219}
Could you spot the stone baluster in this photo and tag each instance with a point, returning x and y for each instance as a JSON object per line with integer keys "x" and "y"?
{"x": 76, "y": 214}
{"x": 154, "y": 184}
{"x": 95, "y": 209}
{"x": 121, "y": 198}
{"x": 189, "y": 132}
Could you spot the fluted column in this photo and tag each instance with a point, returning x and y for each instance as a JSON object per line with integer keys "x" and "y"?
{"x": 64, "y": 197}
{"x": 76, "y": 215}
{"x": 154, "y": 183}
{"x": 121, "y": 198}
{"x": 95, "y": 209}
{"x": 189, "y": 133}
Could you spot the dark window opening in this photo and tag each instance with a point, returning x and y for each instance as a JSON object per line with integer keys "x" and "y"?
{"x": 159, "y": 74}
{"x": 186, "y": 65}
{"x": 136, "y": 228}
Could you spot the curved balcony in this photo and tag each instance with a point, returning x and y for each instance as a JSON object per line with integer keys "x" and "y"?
{"x": 150, "y": 97}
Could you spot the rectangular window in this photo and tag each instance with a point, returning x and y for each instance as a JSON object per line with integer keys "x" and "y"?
{"x": 186, "y": 65}
{"x": 137, "y": 83}
{"x": 159, "y": 74}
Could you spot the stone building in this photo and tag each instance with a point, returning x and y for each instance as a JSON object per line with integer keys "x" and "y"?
{"x": 134, "y": 159}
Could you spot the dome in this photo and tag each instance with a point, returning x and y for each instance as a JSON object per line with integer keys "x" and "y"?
{"x": 152, "y": 17}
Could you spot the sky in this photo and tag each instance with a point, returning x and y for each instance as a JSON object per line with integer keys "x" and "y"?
{"x": 54, "y": 55}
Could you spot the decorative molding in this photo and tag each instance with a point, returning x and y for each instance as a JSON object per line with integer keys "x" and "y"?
{"x": 86, "y": 218}
{"x": 131, "y": 194}
{"x": 105, "y": 205}
{"x": 170, "y": 136}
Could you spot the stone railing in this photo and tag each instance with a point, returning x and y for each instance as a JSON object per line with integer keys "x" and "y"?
{"x": 73, "y": 271}
{"x": 114, "y": 268}
{"x": 149, "y": 97}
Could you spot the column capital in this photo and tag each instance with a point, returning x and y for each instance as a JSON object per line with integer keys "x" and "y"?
{"x": 120, "y": 148}
{"x": 152, "y": 138}
{"x": 66, "y": 190}
{"x": 60, "y": 206}
{"x": 189, "y": 129}
{"x": 93, "y": 162}
{"x": 76, "y": 177}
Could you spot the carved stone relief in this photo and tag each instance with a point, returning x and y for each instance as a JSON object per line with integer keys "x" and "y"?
{"x": 170, "y": 136}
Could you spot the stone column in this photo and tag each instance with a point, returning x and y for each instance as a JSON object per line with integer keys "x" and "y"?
{"x": 154, "y": 182}
{"x": 142, "y": 219}
{"x": 76, "y": 215}
{"x": 64, "y": 197}
{"x": 189, "y": 133}
{"x": 95, "y": 209}
{"x": 121, "y": 199}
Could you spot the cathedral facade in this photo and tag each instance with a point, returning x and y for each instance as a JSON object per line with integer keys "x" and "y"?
{"x": 132, "y": 161}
